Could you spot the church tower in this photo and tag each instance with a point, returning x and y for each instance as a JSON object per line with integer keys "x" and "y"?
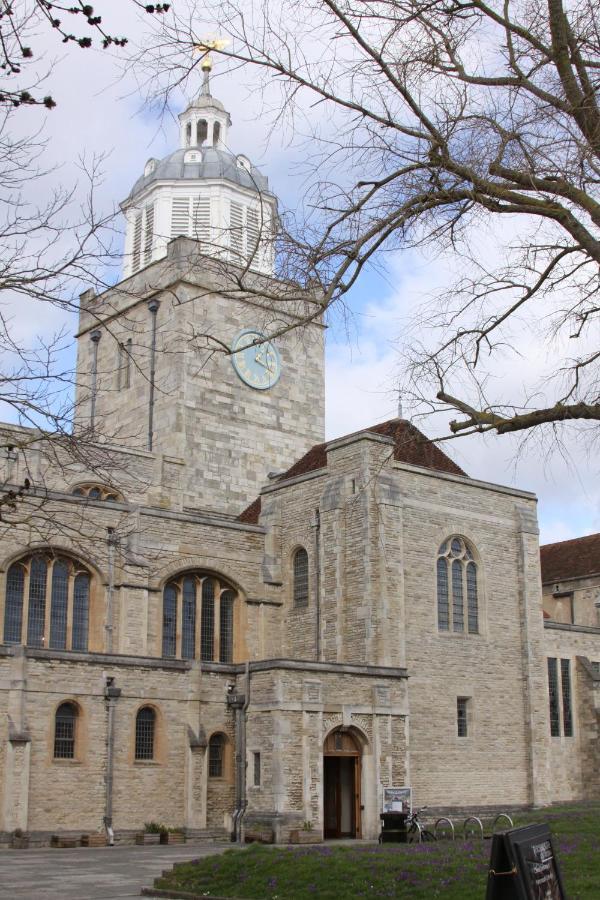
{"x": 201, "y": 357}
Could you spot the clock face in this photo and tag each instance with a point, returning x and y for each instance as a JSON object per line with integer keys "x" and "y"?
{"x": 255, "y": 359}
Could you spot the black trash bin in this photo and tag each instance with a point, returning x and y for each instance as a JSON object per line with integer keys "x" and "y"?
{"x": 393, "y": 828}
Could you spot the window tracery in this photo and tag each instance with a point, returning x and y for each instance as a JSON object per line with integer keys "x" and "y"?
{"x": 97, "y": 492}
{"x": 47, "y": 603}
{"x": 205, "y": 606}
{"x": 457, "y": 587}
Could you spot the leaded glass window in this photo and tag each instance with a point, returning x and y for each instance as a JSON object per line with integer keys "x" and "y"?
{"x": 473, "y": 617}
{"x": 301, "y": 577}
{"x": 565, "y": 680}
{"x": 81, "y": 611}
{"x": 145, "y": 723}
{"x": 553, "y": 697}
{"x": 206, "y": 608}
{"x": 207, "y": 623}
{"x": 169, "y": 621}
{"x": 458, "y": 621}
{"x": 65, "y": 724}
{"x": 37, "y": 602}
{"x": 442, "y": 595}
{"x": 13, "y": 607}
{"x": 456, "y": 571}
{"x": 188, "y": 636}
{"x": 462, "y": 724}
{"x": 58, "y": 593}
{"x": 226, "y": 627}
{"x": 58, "y": 605}
{"x": 216, "y": 756}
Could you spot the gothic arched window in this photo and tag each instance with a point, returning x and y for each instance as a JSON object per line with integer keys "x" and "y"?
{"x": 457, "y": 592}
{"x": 206, "y": 608}
{"x": 36, "y": 582}
{"x": 145, "y": 727}
{"x": 65, "y": 725}
{"x": 300, "y": 564}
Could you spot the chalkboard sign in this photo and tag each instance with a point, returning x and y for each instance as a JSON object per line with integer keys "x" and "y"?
{"x": 523, "y": 866}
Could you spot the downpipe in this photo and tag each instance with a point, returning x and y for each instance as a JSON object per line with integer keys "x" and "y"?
{"x": 239, "y": 703}
{"x": 111, "y": 695}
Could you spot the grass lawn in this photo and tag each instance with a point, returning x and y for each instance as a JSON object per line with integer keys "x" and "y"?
{"x": 454, "y": 870}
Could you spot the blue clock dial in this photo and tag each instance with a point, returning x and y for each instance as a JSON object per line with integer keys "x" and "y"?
{"x": 256, "y": 359}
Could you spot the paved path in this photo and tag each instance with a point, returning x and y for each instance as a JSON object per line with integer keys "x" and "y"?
{"x": 105, "y": 873}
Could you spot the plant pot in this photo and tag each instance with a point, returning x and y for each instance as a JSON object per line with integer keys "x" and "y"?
{"x": 20, "y": 843}
{"x": 93, "y": 840}
{"x": 305, "y": 837}
{"x": 173, "y": 837}
{"x": 143, "y": 837}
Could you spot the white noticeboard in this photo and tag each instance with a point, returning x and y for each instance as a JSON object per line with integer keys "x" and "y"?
{"x": 397, "y": 799}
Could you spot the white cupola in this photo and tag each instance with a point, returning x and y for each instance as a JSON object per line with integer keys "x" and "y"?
{"x": 202, "y": 191}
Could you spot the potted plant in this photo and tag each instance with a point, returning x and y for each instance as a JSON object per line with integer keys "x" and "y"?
{"x": 172, "y": 836}
{"x": 20, "y": 840}
{"x": 151, "y": 834}
{"x": 305, "y": 835}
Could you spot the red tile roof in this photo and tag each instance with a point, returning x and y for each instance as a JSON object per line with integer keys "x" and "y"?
{"x": 410, "y": 446}
{"x": 570, "y": 559}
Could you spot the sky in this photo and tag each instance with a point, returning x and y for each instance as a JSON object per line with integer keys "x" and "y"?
{"x": 101, "y": 110}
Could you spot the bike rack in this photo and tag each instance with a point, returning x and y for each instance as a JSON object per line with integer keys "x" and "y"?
{"x": 502, "y": 816}
{"x": 473, "y": 819}
{"x": 439, "y": 821}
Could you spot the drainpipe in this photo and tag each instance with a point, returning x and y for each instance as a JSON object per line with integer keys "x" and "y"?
{"x": 112, "y": 541}
{"x": 153, "y": 307}
{"x": 239, "y": 703}
{"x": 111, "y": 695}
{"x": 95, "y": 339}
{"x": 316, "y": 523}
{"x": 243, "y": 793}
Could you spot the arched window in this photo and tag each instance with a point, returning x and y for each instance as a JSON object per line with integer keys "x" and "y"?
{"x": 65, "y": 724}
{"x": 216, "y": 756}
{"x": 457, "y": 595}
{"x": 145, "y": 727}
{"x": 216, "y": 134}
{"x": 98, "y": 491}
{"x": 35, "y": 582}
{"x": 301, "y": 577}
{"x": 201, "y": 131}
{"x": 206, "y": 608}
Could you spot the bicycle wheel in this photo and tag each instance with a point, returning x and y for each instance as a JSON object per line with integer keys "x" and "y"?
{"x": 427, "y": 835}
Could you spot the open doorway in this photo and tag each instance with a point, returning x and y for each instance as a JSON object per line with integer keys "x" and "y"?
{"x": 341, "y": 786}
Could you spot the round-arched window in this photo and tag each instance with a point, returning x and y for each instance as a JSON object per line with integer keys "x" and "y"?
{"x": 65, "y": 726}
{"x": 206, "y": 608}
{"x": 39, "y": 581}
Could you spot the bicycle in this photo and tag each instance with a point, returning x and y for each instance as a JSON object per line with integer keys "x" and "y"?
{"x": 416, "y": 832}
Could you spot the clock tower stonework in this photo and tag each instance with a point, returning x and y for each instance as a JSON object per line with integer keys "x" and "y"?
{"x": 172, "y": 361}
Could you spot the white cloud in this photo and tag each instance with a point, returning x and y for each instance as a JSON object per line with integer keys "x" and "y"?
{"x": 100, "y": 112}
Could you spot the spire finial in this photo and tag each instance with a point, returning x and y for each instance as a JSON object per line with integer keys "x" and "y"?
{"x": 400, "y": 411}
{"x": 206, "y": 63}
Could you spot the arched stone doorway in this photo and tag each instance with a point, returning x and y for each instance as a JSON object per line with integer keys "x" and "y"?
{"x": 341, "y": 785}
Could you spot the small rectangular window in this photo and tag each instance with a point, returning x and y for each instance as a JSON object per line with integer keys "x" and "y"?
{"x": 565, "y": 678}
{"x": 462, "y": 723}
{"x": 553, "y": 697}
{"x": 256, "y": 769}
{"x": 596, "y": 667}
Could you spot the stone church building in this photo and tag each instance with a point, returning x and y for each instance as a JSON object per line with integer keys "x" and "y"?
{"x": 217, "y": 620}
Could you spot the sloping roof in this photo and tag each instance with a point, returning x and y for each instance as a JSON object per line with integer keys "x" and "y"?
{"x": 570, "y": 559}
{"x": 410, "y": 446}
